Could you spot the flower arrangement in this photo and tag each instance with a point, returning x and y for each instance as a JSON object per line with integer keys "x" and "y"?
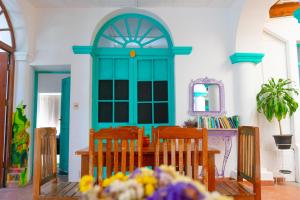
{"x": 163, "y": 183}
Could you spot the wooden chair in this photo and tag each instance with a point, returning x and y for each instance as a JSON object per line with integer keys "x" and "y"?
{"x": 185, "y": 138}
{"x": 118, "y": 138}
{"x": 45, "y": 185}
{"x": 248, "y": 167}
{"x": 154, "y": 131}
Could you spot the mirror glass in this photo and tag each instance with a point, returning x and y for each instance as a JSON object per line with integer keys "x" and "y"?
{"x": 206, "y": 97}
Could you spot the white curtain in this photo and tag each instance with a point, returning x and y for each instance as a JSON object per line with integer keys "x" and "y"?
{"x": 48, "y": 113}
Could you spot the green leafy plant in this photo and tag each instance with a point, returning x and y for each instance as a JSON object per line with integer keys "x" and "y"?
{"x": 20, "y": 142}
{"x": 275, "y": 99}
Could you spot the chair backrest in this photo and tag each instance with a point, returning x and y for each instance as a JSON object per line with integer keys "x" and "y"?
{"x": 249, "y": 156}
{"x": 185, "y": 138}
{"x": 44, "y": 158}
{"x": 154, "y": 131}
{"x": 114, "y": 141}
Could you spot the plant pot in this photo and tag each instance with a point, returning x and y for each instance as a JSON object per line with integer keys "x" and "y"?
{"x": 283, "y": 141}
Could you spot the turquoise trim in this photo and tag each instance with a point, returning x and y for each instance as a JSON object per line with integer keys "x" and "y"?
{"x": 246, "y": 57}
{"x": 35, "y": 100}
{"x": 105, "y": 58}
{"x": 297, "y": 14}
{"x": 65, "y": 125}
{"x": 136, "y": 39}
{"x": 82, "y": 49}
{"x": 298, "y": 44}
{"x": 182, "y": 50}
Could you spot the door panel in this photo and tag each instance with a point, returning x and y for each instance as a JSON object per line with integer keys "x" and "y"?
{"x": 112, "y": 90}
{"x": 3, "y": 92}
{"x": 64, "y": 125}
{"x": 133, "y": 90}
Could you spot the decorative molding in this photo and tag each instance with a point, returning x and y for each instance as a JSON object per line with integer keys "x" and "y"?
{"x": 297, "y": 14}
{"x": 246, "y": 57}
{"x": 82, "y": 49}
{"x": 182, "y": 50}
{"x": 22, "y": 56}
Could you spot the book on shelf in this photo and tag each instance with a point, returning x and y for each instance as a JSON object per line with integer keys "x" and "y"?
{"x": 220, "y": 122}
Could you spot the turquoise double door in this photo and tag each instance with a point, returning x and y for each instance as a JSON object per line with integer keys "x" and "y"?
{"x": 134, "y": 87}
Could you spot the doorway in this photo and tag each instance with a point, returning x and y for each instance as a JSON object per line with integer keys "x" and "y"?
{"x": 52, "y": 106}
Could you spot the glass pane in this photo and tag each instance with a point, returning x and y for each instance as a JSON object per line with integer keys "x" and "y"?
{"x": 5, "y": 37}
{"x": 110, "y": 31}
{"x": 121, "y": 89}
{"x": 145, "y": 113}
{"x": 120, "y": 24}
{"x": 103, "y": 42}
{"x": 3, "y": 22}
{"x": 133, "y": 23}
{"x": 160, "y": 43}
{"x": 161, "y": 113}
{"x": 122, "y": 112}
{"x": 105, "y": 89}
{"x": 144, "y": 91}
{"x": 105, "y": 112}
{"x": 160, "y": 90}
{"x": 144, "y": 28}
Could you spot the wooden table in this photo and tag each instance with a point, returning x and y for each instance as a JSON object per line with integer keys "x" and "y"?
{"x": 148, "y": 160}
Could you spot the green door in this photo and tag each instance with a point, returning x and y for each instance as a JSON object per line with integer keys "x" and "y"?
{"x": 133, "y": 73}
{"x": 64, "y": 125}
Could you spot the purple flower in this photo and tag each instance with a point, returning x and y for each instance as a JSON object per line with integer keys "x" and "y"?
{"x": 178, "y": 191}
{"x": 135, "y": 173}
{"x": 157, "y": 172}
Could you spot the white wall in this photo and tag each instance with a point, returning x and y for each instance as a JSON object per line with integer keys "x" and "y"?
{"x": 279, "y": 41}
{"x": 50, "y": 83}
{"x": 59, "y": 29}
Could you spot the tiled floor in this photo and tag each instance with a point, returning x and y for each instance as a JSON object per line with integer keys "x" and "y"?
{"x": 290, "y": 191}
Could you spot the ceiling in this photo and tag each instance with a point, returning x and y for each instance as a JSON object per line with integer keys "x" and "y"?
{"x": 130, "y": 3}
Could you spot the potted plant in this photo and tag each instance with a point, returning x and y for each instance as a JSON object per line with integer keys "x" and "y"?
{"x": 275, "y": 99}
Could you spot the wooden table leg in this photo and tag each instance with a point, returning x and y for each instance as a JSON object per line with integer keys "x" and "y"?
{"x": 211, "y": 173}
{"x": 84, "y": 165}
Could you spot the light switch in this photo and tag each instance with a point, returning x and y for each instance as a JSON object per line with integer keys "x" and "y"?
{"x": 76, "y": 105}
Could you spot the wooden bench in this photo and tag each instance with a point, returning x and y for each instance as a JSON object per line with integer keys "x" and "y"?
{"x": 248, "y": 168}
{"x": 45, "y": 184}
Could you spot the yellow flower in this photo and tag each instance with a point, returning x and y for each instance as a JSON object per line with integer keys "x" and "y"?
{"x": 150, "y": 180}
{"x": 149, "y": 189}
{"x": 106, "y": 182}
{"x": 86, "y": 183}
{"x": 119, "y": 176}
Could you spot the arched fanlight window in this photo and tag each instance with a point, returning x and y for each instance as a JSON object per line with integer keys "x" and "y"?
{"x": 133, "y": 31}
{"x": 7, "y": 40}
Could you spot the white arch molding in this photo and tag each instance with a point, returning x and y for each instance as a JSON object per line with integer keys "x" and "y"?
{"x": 123, "y": 11}
{"x": 249, "y": 33}
{"x": 23, "y": 21}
